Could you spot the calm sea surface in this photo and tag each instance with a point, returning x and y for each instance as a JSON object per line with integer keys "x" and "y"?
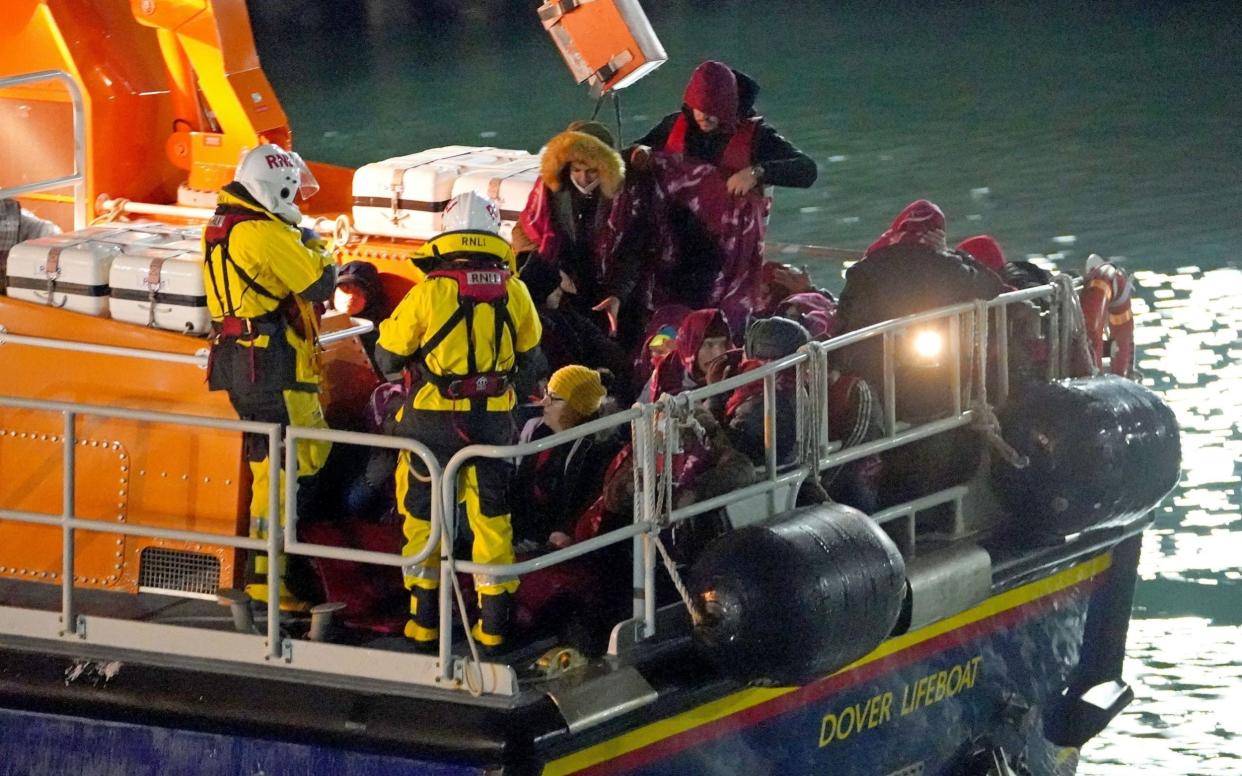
{"x": 1060, "y": 128}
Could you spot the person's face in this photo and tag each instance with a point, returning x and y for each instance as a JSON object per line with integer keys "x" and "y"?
{"x": 583, "y": 175}
{"x": 706, "y": 121}
{"x": 554, "y": 414}
{"x": 711, "y": 349}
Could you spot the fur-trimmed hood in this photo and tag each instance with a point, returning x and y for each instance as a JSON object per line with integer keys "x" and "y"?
{"x": 572, "y": 146}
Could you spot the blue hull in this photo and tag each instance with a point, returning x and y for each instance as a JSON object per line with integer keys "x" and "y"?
{"x": 985, "y": 678}
{"x": 36, "y": 744}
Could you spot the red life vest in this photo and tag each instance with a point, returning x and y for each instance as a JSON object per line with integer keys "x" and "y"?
{"x": 737, "y": 153}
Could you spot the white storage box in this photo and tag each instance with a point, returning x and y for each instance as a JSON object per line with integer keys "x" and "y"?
{"x": 405, "y": 196}
{"x": 161, "y": 288}
{"x": 122, "y": 235}
{"x": 64, "y": 271}
{"x": 191, "y": 245}
{"x": 508, "y": 184}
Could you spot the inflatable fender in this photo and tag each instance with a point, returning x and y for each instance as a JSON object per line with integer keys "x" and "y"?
{"x": 1099, "y": 448}
{"x": 797, "y": 597}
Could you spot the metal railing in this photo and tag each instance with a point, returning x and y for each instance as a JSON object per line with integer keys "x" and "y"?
{"x": 199, "y": 358}
{"x": 78, "y": 177}
{"x": 655, "y": 429}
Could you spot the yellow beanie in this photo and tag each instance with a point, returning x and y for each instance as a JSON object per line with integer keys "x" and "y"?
{"x": 580, "y": 387}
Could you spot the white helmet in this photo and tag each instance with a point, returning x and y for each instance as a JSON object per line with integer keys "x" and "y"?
{"x": 275, "y": 177}
{"x": 471, "y": 211}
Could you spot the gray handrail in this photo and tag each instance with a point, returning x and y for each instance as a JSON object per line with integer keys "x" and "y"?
{"x": 69, "y": 522}
{"x": 295, "y": 433}
{"x": 199, "y": 359}
{"x": 78, "y": 177}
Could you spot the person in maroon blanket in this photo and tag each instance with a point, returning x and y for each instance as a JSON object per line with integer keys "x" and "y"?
{"x": 702, "y": 337}
{"x": 907, "y": 270}
{"x": 709, "y": 163}
{"x": 573, "y": 222}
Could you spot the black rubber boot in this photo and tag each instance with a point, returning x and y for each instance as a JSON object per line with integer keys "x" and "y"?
{"x": 423, "y": 627}
{"x": 495, "y": 621}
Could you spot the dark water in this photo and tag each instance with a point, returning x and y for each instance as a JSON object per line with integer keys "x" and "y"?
{"x": 1061, "y": 128}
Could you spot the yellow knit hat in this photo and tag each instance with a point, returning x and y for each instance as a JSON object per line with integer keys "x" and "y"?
{"x": 580, "y": 387}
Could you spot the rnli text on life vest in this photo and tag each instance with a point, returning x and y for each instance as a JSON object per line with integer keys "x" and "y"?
{"x": 876, "y": 710}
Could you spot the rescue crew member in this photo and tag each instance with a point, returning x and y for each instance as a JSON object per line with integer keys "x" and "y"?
{"x": 469, "y": 327}
{"x": 1107, "y": 292}
{"x": 262, "y": 275}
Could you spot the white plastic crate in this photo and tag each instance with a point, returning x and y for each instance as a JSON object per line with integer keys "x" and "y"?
{"x": 67, "y": 271}
{"x": 160, "y": 287}
{"x": 508, "y": 184}
{"x": 405, "y": 196}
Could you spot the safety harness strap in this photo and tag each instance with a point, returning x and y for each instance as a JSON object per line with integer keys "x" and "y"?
{"x": 475, "y": 286}
{"x": 219, "y": 228}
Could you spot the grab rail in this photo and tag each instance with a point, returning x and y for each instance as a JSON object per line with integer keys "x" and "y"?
{"x": 198, "y": 359}
{"x": 78, "y": 177}
{"x": 69, "y": 521}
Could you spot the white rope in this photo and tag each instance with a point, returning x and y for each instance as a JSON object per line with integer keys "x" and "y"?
{"x": 1077, "y": 323}
{"x": 683, "y": 417}
{"x": 112, "y": 213}
{"x": 473, "y": 659}
{"x": 986, "y": 423}
{"x": 671, "y": 566}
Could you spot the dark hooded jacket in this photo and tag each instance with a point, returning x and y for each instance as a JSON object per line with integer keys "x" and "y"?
{"x": 783, "y": 163}
{"x": 899, "y": 280}
{"x": 569, "y": 337}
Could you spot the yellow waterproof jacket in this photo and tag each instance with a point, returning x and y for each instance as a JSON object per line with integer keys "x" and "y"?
{"x": 273, "y": 257}
{"x": 425, "y": 310}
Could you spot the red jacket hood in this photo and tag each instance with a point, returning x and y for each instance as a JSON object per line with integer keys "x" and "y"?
{"x": 911, "y": 225}
{"x": 713, "y": 90}
{"x": 985, "y": 250}
{"x": 696, "y": 328}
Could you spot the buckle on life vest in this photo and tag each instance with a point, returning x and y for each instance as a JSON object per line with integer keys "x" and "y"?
{"x": 487, "y": 385}
{"x": 233, "y": 327}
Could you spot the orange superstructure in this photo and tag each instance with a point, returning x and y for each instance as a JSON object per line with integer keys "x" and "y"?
{"x": 120, "y": 69}
{"x": 171, "y": 92}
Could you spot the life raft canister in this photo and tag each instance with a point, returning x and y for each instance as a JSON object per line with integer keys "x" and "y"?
{"x": 798, "y": 596}
{"x": 1105, "y": 300}
{"x": 1099, "y": 448}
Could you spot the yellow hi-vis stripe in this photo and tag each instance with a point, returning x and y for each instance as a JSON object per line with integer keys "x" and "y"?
{"x": 745, "y": 699}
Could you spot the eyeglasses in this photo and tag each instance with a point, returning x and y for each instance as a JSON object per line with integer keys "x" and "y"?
{"x": 550, "y": 397}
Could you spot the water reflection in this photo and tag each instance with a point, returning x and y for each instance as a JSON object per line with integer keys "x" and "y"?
{"x": 1184, "y": 674}
{"x": 1183, "y": 658}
